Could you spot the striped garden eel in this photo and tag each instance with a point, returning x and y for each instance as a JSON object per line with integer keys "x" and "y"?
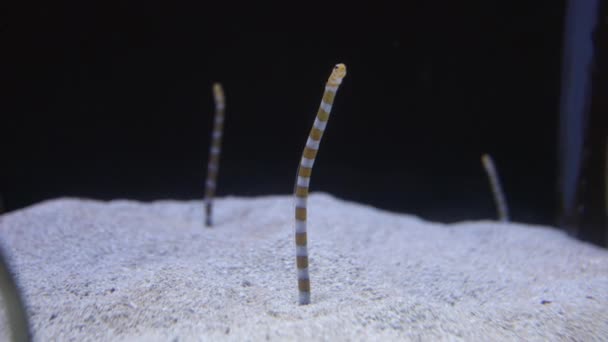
{"x": 303, "y": 179}
{"x": 499, "y": 196}
{"x": 214, "y": 152}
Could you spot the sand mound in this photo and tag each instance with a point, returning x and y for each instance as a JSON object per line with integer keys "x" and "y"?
{"x": 125, "y": 270}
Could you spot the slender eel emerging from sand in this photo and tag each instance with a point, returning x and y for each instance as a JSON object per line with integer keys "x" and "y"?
{"x": 214, "y": 152}
{"x": 499, "y": 196}
{"x": 303, "y": 179}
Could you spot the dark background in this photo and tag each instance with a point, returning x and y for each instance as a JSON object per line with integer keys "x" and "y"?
{"x": 110, "y": 101}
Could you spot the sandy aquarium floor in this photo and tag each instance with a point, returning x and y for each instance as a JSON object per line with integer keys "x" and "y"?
{"x": 132, "y": 271}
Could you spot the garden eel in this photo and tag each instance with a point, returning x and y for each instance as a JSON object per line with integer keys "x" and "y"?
{"x": 499, "y": 196}
{"x": 303, "y": 179}
{"x": 214, "y": 152}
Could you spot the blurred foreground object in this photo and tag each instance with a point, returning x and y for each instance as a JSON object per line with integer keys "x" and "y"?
{"x": 15, "y": 309}
{"x": 583, "y": 123}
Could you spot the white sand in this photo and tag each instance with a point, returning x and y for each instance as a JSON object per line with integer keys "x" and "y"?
{"x": 124, "y": 270}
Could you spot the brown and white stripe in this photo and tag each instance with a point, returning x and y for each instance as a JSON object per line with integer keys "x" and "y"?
{"x": 499, "y": 196}
{"x": 214, "y": 152}
{"x": 303, "y": 179}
